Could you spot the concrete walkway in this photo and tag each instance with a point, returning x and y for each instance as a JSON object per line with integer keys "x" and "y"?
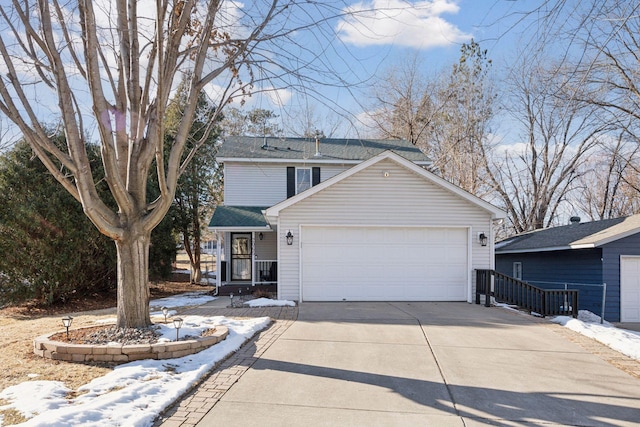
{"x": 440, "y": 364}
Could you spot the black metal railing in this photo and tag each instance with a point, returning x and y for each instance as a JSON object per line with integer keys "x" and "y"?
{"x": 546, "y": 302}
{"x": 266, "y": 272}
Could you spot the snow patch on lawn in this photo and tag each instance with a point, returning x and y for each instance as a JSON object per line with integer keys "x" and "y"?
{"x": 622, "y": 340}
{"x": 588, "y": 324}
{"x": 183, "y": 300}
{"x": 133, "y": 393}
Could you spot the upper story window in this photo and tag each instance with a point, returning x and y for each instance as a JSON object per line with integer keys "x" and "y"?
{"x": 303, "y": 179}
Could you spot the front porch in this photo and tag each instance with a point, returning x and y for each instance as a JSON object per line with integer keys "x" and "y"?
{"x": 262, "y": 273}
{"x": 247, "y": 255}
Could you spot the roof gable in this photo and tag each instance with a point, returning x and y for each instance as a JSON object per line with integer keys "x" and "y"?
{"x": 274, "y": 211}
{"x": 574, "y": 236}
{"x": 244, "y": 148}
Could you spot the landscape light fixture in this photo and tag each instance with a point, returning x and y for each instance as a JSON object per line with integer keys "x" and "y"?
{"x": 289, "y": 237}
{"x": 177, "y": 322}
{"x": 66, "y": 322}
{"x": 483, "y": 239}
{"x": 165, "y": 312}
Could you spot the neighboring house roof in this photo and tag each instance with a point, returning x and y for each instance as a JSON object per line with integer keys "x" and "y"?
{"x": 272, "y": 212}
{"x": 304, "y": 149}
{"x": 574, "y": 236}
{"x": 238, "y": 218}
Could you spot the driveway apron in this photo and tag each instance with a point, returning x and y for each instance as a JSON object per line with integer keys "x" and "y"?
{"x": 437, "y": 364}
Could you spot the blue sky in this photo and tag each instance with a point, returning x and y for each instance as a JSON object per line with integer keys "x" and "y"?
{"x": 384, "y": 32}
{"x": 362, "y": 49}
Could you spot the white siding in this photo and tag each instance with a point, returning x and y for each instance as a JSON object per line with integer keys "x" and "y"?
{"x": 368, "y": 198}
{"x": 254, "y": 184}
{"x": 262, "y": 184}
{"x": 266, "y": 248}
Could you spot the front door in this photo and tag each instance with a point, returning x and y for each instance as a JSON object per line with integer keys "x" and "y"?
{"x": 241, "y": 256}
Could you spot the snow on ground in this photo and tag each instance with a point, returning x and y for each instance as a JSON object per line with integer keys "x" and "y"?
{"x": 622, "y": 340}
{"x": 266, "y": 302}
{"x": 182, "y": 300}
{"x": 188, "y": 299}
{"x": 133, "y": 393}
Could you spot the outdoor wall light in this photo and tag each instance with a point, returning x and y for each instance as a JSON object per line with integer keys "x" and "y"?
{"x": 66, "y": 322}
{"x": 177, "y": 322}
{"x": 289, "y": 237}
{"x": 483, "y": 239}
{"x": 260, "y": 236}
{"x": 165, "y": 311}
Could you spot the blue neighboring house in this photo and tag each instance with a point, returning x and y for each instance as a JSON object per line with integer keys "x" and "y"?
{"x": 585, "y": 253}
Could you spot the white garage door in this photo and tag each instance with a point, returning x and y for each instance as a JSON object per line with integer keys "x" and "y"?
{"x": 630, "y": 289}
{"x": 384, "y": 264}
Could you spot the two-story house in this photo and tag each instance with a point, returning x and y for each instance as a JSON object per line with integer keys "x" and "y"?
{"x": 347, "y": 220}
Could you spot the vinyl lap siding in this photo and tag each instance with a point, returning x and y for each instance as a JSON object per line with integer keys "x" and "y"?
{"x": 254, "y": 184}
{"x": 262, "y": 184}
{"x": 554, "y": 269}
{"x": 368, "y": 198}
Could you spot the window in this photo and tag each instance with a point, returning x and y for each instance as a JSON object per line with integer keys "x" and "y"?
{"x": 303, "y": 179}
{"x": 517, "y": 270}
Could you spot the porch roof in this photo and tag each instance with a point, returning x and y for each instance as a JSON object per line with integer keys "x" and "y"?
{"x": 239, "y": 218}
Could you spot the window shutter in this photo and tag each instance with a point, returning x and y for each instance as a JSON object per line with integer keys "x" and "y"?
{"x": 291, "y": 181}
{"x": 315, "y": 176}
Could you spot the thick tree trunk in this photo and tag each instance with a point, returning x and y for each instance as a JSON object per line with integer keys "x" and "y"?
{"x": 133, "y": 283}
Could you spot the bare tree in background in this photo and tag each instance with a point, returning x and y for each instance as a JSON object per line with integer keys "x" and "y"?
{"x": 599, "y": 44}
{"x": 447, "y": 115}
{"x": 308, "y": 122}
{"x": 460, "y": 137}
{"x": 534, "y": 178}
{"x": 609, "y": 184}
{"x": 111, "y": 67}
{"x": 405, "y": 103}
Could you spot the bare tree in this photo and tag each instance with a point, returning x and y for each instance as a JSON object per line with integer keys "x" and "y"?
{"x": 309, "y": 122}
{"x": 404, "y": 103}
{"x": 460, "y": 136}
{"x": 596, "y": 46}
{"x": 599, "y": 45}
{"x": 447, "y": 115}
{"x": 534, "y": 178}
{"x": 111, "y": 67}
{"x": 609, "y": 182}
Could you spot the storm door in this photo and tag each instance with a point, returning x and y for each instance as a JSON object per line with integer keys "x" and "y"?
{"x": 241, "y": 256}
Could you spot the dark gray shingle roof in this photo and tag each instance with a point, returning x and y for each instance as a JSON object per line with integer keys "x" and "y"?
{"x": 562, "y": 237}
{"x": 245, "y": 147}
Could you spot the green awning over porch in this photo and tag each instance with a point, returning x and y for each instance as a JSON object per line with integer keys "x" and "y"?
{"x": 239, "y": 218}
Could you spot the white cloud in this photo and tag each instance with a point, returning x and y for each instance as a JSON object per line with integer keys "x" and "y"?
{"x": 400, "y": 22}
{"x": 278, "y": 97}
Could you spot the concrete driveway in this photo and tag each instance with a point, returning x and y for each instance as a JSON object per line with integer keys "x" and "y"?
{"x": 428, "y": 364}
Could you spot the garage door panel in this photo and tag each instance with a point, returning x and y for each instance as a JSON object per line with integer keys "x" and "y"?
{"x": 378, "y": 264}
{"x": 630, "y": 289}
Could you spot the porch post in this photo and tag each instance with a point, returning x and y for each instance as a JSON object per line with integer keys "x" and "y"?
{"x": 253, "y": 258}
{"x": 218, "y": 260}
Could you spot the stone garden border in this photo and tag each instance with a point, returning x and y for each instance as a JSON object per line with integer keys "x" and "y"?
{"x": 121, "y": 353}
